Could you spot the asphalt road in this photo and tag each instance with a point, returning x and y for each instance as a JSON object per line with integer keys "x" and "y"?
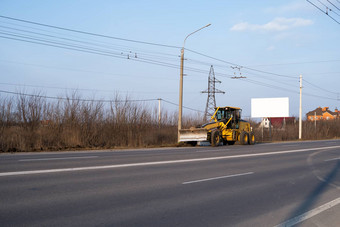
{"x": 260, "y": 185}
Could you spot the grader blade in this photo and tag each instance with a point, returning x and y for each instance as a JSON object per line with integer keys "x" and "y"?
{"x": 194, "y": 134}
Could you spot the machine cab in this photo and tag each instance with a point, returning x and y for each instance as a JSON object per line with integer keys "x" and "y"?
{"x": 225, "y": 113}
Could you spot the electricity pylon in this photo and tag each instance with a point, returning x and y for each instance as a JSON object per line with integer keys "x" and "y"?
{"x": 211, "y": 101}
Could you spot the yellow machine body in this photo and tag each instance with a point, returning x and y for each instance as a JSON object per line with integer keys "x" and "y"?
{"x": 225, "y": 126}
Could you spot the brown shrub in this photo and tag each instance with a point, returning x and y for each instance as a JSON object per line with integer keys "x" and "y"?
{"x": 33, "y": 123}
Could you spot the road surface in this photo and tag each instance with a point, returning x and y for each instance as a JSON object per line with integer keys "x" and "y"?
{"x": 261, "y": 185}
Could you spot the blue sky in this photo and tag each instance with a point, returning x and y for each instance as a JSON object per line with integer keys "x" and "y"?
{"x": 274, "y": 42}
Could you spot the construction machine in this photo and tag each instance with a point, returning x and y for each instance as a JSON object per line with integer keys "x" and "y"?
{"x": 225, "y": 126}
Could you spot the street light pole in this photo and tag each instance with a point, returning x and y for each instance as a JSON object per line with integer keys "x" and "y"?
{"x": 181, "y": 82}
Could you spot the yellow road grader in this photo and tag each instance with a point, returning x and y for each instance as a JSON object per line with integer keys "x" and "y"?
{"x": 225, "y": 127}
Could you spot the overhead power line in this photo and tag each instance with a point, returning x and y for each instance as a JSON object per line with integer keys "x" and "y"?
{"x": 238, "y": 65}
{"x": 296, "y": 63}
{"x": 94, "y": 100}
{"x": 93, "y": 48}
{"x": 84, "y": 39}
{"x": 76, "y": 99}
{"x": 325, "y": 12}
{"x": 332, "y": 92}
{"x": 90, "y": 50}
{"x": 172, "y": 103}
{"x": 79, "y": 89}
{"x": 89, "y": 33}
{"x": 289, "y": 90}
{"x": 130, "y": 40}
{"x": 333, "y": 4}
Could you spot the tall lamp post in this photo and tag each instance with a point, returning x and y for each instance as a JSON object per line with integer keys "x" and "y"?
{"x": 181, "y": 82}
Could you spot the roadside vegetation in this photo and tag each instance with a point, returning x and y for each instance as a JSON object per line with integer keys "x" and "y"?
{"x": 34, "y": 123}
{"x": 310, "y": 131}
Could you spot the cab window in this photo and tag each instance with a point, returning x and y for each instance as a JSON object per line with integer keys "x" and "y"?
{"x": 220, "y": 115}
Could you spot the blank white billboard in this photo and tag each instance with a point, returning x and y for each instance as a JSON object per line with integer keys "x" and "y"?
{"x": 270, "y": 107}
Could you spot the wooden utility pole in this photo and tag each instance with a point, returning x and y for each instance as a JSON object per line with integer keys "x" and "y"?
{"x": 300, "y": 115}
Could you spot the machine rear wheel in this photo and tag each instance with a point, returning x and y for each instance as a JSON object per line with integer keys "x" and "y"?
{"x": 244, "y": 137}
{"x": 251, "y": 138}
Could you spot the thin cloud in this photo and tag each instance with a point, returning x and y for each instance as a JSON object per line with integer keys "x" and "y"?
{"x": 278, "y": 24}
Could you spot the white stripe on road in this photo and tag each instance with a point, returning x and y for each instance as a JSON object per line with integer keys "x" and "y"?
{"x": 333, "y": 159}
{"x": 309, "y": 214}
{"x": 162, "y": 162}
{"x": 207, "y": 151}
{"x": 216, "y": 178}
{"x": 50, "y": 159}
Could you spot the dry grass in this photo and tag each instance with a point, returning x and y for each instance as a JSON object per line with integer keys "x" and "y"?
{"x": 323, "y": 130}
{"x": 33, "y": 123}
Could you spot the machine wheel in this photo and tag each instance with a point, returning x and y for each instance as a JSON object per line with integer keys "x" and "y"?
{"x": 251, "y": 140}
{"x": 215, "y": 138}
{"x": 244, "y": 137}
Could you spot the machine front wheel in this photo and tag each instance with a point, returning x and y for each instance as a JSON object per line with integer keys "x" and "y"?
{"x": 215, "y": 138}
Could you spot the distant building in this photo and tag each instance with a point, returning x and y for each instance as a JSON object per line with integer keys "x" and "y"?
{"x": 277, "y": 122}
{"x": 323, "y": 114}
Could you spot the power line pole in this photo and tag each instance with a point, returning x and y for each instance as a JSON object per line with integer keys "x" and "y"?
{"x": 211, "y": 101}
{"x": 300, "y": 115}
{"x": 159, "y": 112}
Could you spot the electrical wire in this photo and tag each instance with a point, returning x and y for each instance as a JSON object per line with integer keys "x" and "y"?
{"x": 101, "y": 43}
{"x": 268, "y": 85}
{"x": 183, "y": 106}
{"x": 82, "y": 48}
{"x": 332, "y": 92}
{"x": 144, "y": 60}
{"x": 334, "y": 12}
{"x": 75, "y": 99}
{"x": 292, "y": 91}
{"x": 137, "y": 41}
{"x": 323, "y": 11}
{"x": 58, "y": 44}
{"x": 94, "y": 100}
{"x": 80, "y": 89}
{"x": 89, "y": 33}
{"x": 237, "y": 65}
{"x": 333, "y": 5}
{"x": 296, "y": 63}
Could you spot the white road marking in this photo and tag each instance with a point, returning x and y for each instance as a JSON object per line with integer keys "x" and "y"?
{"x": 50, "y": 159}
{"x": 216, "y": 178}
{"x": 162, "y": 162}
{"x": 331, "y": 142}
{"x": 207, "y": 151}
{"x": 333, "y": 159}
{"x": 309, "y": 214}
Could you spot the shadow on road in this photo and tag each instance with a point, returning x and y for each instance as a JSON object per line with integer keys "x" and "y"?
{"x": 312, "y": 198}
